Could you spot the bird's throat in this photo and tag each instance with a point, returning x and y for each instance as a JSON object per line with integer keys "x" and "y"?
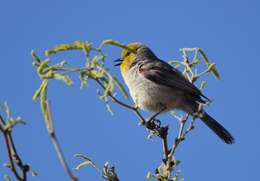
{"x": 127, "y": 62}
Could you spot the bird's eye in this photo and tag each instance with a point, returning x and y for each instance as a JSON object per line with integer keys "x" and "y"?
{"x": 132, "y": 64}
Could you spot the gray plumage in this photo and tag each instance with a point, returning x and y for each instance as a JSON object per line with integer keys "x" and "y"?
{"x": 154, "y": 85}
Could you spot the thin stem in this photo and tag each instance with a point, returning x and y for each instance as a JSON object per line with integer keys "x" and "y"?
{"x": 69, "y": 70}
{"x": 57, "y": 146}
{"x": 141, "y": 118}
{"x": 191, "y": 127}
{"x": 61, "y": 156}
{"x": 156, "y": 114}
{"x": 2, "y": 124}
{"x": 162, "y": 132}
{"x": 165, "y": 149}
{"x": 12, "y": 153}
{"x": 9, "y": 151}
{"x": 24, "y": 167}
{"x": 16, "y": 156}
{"x": 180, "y": 137}
{"x": 114, "y": 98}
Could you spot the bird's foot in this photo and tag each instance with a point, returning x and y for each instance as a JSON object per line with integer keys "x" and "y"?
{"x": 152, "y": 123}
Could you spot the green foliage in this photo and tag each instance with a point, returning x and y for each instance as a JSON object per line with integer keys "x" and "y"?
{"x": 94, "y": 68}
{"x": 115, "y": 43}
{"x": 10, "y": 120}
{"x": 108, "y": 171}
{"x": 198, "y": 56}
{"x": 86, "y": 161}
{"x": 77, "y": 45}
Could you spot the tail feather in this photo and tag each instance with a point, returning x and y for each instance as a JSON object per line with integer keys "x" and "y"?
{"x": 217, "y": 128}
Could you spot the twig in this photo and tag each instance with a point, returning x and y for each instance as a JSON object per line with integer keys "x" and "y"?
{"x": 135, "y": 109}
{"x": 9, "y": 151}
{"x": 109, "y": 173}
{"x": 12, "y": 153}
{"x": 57, "y": 146}
{"x": 2, "y": 124}
{"x": 165, "y": 149}
{"x": 161, "y": 132}
{"x": 180, "y": 136}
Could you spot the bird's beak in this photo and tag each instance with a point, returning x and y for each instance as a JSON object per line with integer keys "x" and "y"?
{"x": 119, "y": 61}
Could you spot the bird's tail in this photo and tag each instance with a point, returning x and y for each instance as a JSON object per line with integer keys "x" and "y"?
{"x": 217, "y": 128}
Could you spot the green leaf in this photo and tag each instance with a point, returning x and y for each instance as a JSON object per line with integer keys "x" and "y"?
{"x": 108, "y": 87}
{"x": 40, "y": 90}
{"x": 86, "y": 162}
{"x": 150, "y": 176}
{"x": 7, "y": 165}
{"x": 83, "y": 157}
{"x": 77, "y": 45}
{"x": 13, "y": 122}
{"x": 63, "y": 78}
{"x": 43, "y": 103}
{"x": 213, "y": 70}
{"x": 109, "y": 108}
{"x": 202, "y": 84}
{"x": 116, "y": 43}
{"x": 83, "y": 79}
{"x": 121, "y": 87}
{"x": 95, "y": 60}
{"x": 96, "y": 74}
{"x": 79, "y": 166}
{"x": 54, "y": 67}
{"x": 46, "y": 114}
{"x": 35, "y": 57}
{"x": 42, "y": 66}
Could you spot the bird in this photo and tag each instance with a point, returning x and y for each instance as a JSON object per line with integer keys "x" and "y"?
{"x": 158, "y": 87}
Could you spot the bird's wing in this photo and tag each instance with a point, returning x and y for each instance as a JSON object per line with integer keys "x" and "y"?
{"x": 162, "y": 73}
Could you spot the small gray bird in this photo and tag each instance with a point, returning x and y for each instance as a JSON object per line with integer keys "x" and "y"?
{"x": 156, "y": 86}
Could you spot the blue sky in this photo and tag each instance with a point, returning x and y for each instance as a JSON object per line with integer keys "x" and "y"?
{"x": 227, "y": 30}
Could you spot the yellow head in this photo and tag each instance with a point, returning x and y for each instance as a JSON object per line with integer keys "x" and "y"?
{"x": 128, "y": 56}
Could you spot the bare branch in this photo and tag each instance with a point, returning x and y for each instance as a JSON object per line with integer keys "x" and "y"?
{"x": 12, "y": 153}
{"x": 57, "y": 146}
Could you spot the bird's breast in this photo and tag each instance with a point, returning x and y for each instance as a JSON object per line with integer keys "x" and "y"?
{"x": 148, "y": 95}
